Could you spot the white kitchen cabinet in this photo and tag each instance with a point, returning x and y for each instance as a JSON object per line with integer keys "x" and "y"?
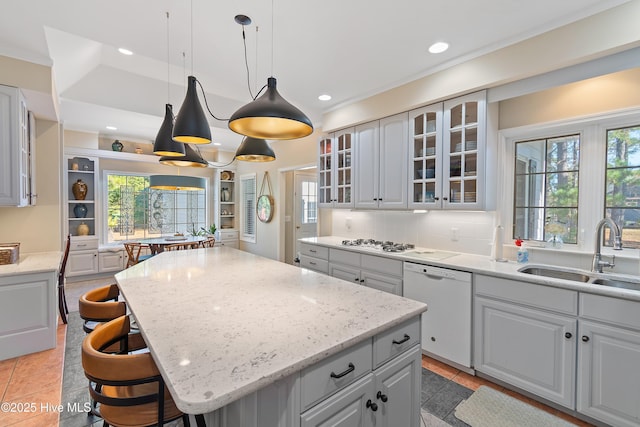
{"x": 452, "y": 151}
{"x": 335, "y": 170}
{"x": 28, "y": 315}
{"x": 82, "y": 263}
{"x": 369, "y": 270}
{"x": 381, "y": 163}
{"x": 17, "y": 149}
{"x": 608, "y": 355}
{"x": 314, "y": 258}
{"x": 227, "y": 238}
{"x": 111, "y": 261}
{"x": 525, "y": 335}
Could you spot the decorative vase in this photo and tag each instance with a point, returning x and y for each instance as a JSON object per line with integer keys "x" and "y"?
{"x": 117, "y": 145}
{"x": 79, "y": 190}
{"x": 83, "y": 229}
{"x": 80, "y": 210}
{"x": 225, "y": 195}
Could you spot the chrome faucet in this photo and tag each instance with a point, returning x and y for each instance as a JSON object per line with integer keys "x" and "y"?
{"x": 617, "y": 244}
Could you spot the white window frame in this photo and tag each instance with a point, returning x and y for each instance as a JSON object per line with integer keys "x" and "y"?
{"x": 591, "y": 197}
{"x": 248, "y": 213}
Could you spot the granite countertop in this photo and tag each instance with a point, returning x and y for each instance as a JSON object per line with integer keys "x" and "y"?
{"x": 35, "y": 262}
{"x": 222, "y": 323}
{"x": 484, "y": 265}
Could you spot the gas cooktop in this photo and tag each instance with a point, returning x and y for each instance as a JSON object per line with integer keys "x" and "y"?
{"x": 386, "y": 246}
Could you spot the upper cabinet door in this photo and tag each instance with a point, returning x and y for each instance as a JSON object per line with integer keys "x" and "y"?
{"x": 425, "y": 154}
{"x": 15, "y": 181}
{"x": 393, "y": 158}
{"x": 367, "y": 165}
{"x": 464, "y": 143}
{"x": 335, "y": 169}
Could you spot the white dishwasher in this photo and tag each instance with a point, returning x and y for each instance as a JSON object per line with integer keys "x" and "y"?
{"x": 446, "y": 325}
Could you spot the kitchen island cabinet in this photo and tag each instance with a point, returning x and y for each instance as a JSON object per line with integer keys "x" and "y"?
{"x": 235, "y": 334}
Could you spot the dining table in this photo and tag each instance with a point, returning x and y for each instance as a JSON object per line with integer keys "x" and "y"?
{"x": 157, "y": 244}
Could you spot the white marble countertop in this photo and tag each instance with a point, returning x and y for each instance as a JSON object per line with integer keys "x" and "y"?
{"x": 35, "y": 262}
{"x": 222, "y": 323}
{"x": 485, "y": 265}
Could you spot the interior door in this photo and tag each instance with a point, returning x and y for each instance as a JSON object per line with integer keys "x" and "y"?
{"x": 305, "y": 207}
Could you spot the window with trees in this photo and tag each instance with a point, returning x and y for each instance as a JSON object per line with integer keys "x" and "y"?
{"x": 622, "y": 201}
{"x": 546, "y": 188}
{"x": 135, "y": 211}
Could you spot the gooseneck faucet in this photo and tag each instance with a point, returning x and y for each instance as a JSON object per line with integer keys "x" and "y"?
{"x": 617, "y": 244}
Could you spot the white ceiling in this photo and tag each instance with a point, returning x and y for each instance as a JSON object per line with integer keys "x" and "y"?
{"x": 349, "y": 49}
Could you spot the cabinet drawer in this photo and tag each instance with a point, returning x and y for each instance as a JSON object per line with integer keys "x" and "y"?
{"x": 83, "y": 245}
{"x": 381, "y": 264}
{"x": 314, "y": 251}
{"x": 344, "y": 257}
{"x": 405, "y": 335}
{"x": 531, "y": 294}
{"x": 613, "y": 310}
{"x": 228, "y": 235}
{"x": 315, "y": 264}
{"x": 319, "y": 381}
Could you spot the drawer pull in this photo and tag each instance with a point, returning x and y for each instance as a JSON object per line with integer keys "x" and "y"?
{"x": 568, "y": 335}
{"x": 82, "y": 245}
{"x": 313, "y": 251}
{"x": 585, "y": 338}
{"x": 372, "y": 405}
{"x": 403, "y": 340}
{"x": 351, "y": 368}
{"x": 382, "y": 397}
{"x": 312, "y": 263}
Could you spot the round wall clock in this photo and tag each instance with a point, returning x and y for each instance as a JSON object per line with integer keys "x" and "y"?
{"x": 264, "y": 208}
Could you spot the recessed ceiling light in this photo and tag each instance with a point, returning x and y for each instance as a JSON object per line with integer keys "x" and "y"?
{"x": 324, "y": 97}
{"x": 125, "y": 51}
{"x": 438, "y": 47}
{"x": 112, "y": 128}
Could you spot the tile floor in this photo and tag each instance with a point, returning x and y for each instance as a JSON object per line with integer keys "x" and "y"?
{"x": 32, "y": 384}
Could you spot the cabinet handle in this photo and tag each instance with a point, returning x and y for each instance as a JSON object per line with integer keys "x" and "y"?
{"x": 312, "y": 250}
{"x": 568, "y": 335}
{"x": 381, "y": 396}
{"x": 403, "y": 340}
{"x": 361, "y": 280}
{"x": 436, "y": 198}
{"x": 372, "y": 405}
{"x": 82, "y": 245}
{"x": 312, "y": 263}
{"x": 445, "y": 198}
{"x": 351, "y": 368}
{"x": 585, "y": 338}
{"x": 356, "y": 280}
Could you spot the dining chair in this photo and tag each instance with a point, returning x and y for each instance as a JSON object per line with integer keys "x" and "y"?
{"x": 209, "y": 243}
{"x": 128, "y": 387}
{"x": 182, "y": 246}
{"x": 62, "y": 298}
{"x": 133, "y": 253}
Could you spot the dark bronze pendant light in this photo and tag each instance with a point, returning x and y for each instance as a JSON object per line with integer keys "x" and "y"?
{"x": 255, "y": 150}
{"x": 192, "y": 158}
{"x": 191, "y": 125}
{"x": 271, "y": 117}
{"x": 164, "y": 144}
{"x": 177, "y": 182}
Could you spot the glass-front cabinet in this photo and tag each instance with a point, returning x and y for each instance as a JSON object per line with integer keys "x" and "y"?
{"x": 335, "y": 169}
{"x": 464, "y": 137}
{"x": 447, "y": 154}
{"x": 425, "y": 153}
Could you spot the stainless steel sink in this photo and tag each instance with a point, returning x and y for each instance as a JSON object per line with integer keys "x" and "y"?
{"x": 556, "y": 273}
{"x": 617, "y": 283}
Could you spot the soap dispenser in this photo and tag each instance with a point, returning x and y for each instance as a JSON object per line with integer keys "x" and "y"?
{"x": 523, "y": 254}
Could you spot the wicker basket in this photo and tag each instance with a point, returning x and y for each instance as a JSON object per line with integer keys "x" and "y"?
{"x": 9, "y": 253}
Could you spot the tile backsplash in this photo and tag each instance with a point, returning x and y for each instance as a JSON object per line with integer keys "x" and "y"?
{"x": 461, "y": 231}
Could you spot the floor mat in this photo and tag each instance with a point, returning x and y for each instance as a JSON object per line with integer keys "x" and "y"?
{"x": 487, "y": 407}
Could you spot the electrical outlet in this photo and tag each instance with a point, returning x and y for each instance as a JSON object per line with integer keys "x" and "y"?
{"x": 347, "y": 223}
{"x": 455, "y": 233}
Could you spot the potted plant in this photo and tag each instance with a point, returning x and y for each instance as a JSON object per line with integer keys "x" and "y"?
{"x": 211, "y": 230}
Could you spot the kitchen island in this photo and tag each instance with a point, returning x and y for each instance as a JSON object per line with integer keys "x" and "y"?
{"x": 241, "y": 337}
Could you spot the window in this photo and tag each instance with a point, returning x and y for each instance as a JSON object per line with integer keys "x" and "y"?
{"x": 546, "y": 189}
{"x": 135, "y": 211}
{"x": 622, "y": 201}
{"x": 309, "y": 198}
{"x": 248, "y": 206}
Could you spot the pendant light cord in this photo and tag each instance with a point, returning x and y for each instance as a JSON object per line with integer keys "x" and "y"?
{"x": 192, "y": 37}
{"x": 168, "y": 65}
{"x": 272, "y": 42}
{"x": 246, "y": 62}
